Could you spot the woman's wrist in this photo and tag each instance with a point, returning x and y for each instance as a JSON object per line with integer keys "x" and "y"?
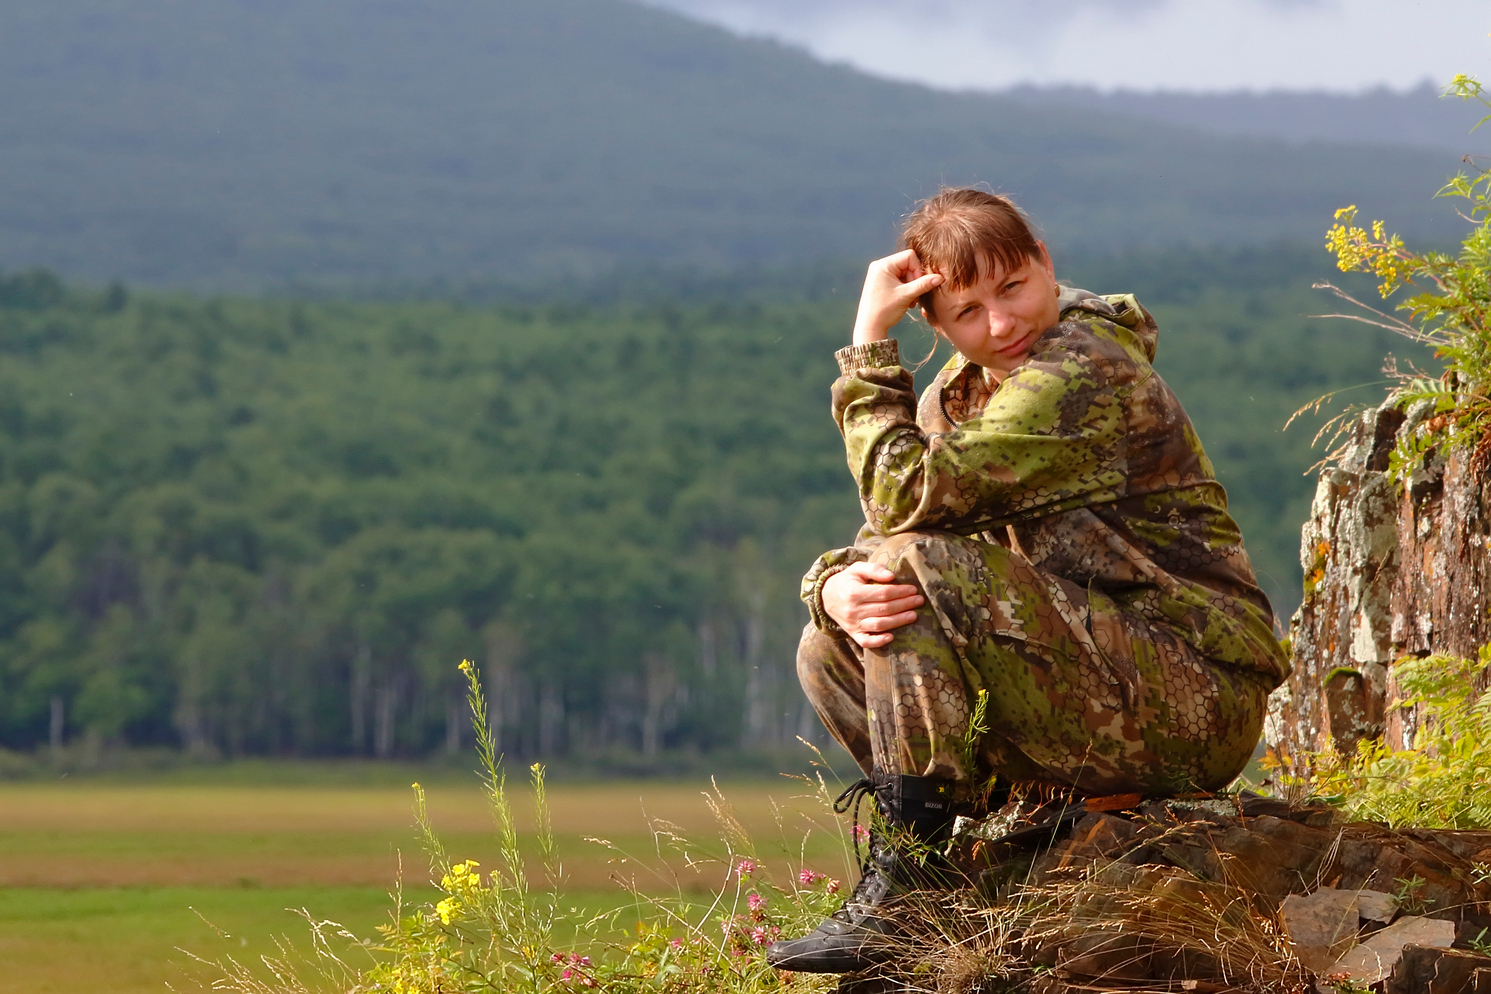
{"x": 821, "y": 618}
{"x": 868, "y": 355}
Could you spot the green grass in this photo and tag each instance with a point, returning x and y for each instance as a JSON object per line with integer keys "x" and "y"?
{"x": 99, "y": 878}
{"x": 127, "y": 940}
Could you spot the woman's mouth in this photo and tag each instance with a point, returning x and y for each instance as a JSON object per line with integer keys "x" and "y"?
{"x": 1016, "y": 347}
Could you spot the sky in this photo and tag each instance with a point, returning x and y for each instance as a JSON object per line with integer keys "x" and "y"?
{"x": 1197, "y": 45}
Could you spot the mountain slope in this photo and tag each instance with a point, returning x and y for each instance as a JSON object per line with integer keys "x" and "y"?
{"x": 1419, "y": 117}
{"x": 253, "y": 142}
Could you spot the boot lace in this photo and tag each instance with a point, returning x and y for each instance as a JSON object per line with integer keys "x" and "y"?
{"x": 851, "y": 798}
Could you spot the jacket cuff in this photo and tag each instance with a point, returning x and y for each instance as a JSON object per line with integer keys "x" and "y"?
{"x": 821, "y": 620}
{"x": 870, "y": 354}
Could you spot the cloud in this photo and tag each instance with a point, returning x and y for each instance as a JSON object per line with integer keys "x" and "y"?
{"x": 1340, "y": 45}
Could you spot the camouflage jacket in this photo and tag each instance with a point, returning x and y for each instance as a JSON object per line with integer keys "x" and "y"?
{"x": 1082, "y": 461}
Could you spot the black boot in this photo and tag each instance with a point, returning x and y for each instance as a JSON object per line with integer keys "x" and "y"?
{"x": 919, "y": 812}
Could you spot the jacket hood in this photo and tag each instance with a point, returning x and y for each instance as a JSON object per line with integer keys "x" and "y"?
{"x": 1120, "y": 308}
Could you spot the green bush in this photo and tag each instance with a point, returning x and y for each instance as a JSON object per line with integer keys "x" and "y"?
{"x": 1440, "y": 781}
{"x": 1447, "y": 302}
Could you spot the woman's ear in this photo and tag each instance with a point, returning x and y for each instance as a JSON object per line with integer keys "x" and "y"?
{"x": 1045, "y": 260}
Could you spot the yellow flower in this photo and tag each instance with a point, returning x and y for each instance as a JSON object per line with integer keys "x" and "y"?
{"x": 465, "y": 666}
{"x": 462, "y": 876}
{"x": 446, "y": 909}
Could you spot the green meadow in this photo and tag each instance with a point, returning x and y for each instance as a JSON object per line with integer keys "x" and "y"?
{"x": 112, "y": 887}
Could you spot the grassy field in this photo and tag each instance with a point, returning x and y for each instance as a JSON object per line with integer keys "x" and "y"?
{"x": 102, "y": 882}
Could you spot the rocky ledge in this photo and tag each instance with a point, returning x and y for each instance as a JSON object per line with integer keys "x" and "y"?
{"x": 1236, "y": 894}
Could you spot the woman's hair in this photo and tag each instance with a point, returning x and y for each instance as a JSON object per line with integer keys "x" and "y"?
{"x": 960, "y": 228}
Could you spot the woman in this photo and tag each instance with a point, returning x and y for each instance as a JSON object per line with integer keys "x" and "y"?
{"x": 1043, "y": 527}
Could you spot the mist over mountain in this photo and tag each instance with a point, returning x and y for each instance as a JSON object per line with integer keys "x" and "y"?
{"x": 1418, "y": 117}
{"x": 257, "y": 143}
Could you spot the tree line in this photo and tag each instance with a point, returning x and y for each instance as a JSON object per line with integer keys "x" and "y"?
{"x": 246, "y": 526}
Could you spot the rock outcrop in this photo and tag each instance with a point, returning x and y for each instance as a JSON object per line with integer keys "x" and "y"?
{"x": 1242, "y": 894}
{"x": 1391, "y": 571}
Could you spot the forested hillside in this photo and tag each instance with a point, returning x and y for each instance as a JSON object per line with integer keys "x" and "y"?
{"x": 276, "y": 526}
{"x": 252, "y": 143}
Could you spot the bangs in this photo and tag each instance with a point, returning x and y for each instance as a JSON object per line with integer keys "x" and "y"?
{"x": 964, "y": 250}
{"x": 967, "y": 234}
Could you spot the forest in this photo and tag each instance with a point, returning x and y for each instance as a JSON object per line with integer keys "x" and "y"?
{"x": 259, "y": 526}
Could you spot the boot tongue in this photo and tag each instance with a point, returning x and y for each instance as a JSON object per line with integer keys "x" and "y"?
{"x": 923, "y": 806}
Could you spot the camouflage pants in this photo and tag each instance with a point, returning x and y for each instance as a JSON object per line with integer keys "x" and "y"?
{"x": 1078, "y": 692}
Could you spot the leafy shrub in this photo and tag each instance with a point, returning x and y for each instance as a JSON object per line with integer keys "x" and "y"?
{"x": 1448, "y": 307}
{"x": 1439, "y": 782}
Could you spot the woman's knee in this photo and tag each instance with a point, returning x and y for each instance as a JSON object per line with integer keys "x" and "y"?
{"x": 922, "y": 557}
{"x": 898, "y": 551}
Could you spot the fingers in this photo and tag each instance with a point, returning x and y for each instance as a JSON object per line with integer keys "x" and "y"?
{"x": 871, "y": 606}
{"x": 884, "y": 623}
{"x": 908, "y": 293}
{"x": 925, "y": 284}
{"x": 903, "y": 264}
{"x": 892, "y": 285}
{"x": 906, "y": 269}
{"x": 900, "y": 605}
{"x": 870, "y": 572}
{"x": 876, "y": 594}
{"x": 881, "y": 593}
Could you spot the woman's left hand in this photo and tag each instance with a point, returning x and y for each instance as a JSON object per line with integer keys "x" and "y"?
{"x": 866, "y": 601}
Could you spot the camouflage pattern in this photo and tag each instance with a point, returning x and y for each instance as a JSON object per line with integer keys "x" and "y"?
{"x": 1078, "y": 559}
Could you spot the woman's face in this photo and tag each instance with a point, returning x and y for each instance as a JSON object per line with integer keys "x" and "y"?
{"x": 996, "y": 321}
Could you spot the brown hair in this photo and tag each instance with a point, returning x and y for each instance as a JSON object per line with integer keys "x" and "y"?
{"x": 957, "y": 229}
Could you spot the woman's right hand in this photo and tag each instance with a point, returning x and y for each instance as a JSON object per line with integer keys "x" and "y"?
{"x": 892, "y": 285}
{"x": 863, "y": 600}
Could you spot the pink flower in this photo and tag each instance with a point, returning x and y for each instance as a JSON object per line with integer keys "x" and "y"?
{"x": 557, "y": 958}
{"x": 758, "y": 936}
{"x": 566, "y": 974}
{"x": 745, "y": 868}
{"x": 584, "y": 960}
{"x": 756, "y": 901}
{"x": 809, "y": 877}
{"x": 861, "y": 834}
{"x": 676, "y": 943}
{"x": 833, "y": 887}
